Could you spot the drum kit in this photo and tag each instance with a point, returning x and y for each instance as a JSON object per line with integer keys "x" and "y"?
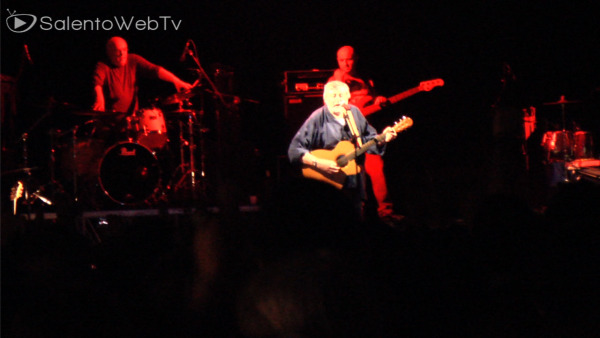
{"x": 567, "y": 144}
{"x": 138, "y": 170}
{"x": 102, "y": 162}
{"x": 102, "y": 158}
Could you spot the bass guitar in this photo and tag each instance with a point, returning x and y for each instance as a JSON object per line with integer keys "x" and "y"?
{"x": 424, "y": 86}
{"x": 345, "y": 154}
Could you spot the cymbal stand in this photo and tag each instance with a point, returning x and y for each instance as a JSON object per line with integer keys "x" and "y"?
{"x": 26, "y": 184}
{"x": 29, "y": 197}
{"x": 564, "y": 134}
{"x": 566, "y": 140}
{"x": 562, "y": 111}
{"x": 75, "y": 173}
{"x": 202, "y": 159}
{"x": 192, "y": 171}
{"x": 192, "y": 150}
{"x": 53, "y": 181}
{"x": 182, "y": 144}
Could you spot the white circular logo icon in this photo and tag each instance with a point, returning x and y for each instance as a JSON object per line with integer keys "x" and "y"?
{"x": 20, "y": 23}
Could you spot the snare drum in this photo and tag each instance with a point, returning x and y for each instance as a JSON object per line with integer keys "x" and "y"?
{"x": 129, "y": 173}
{"x": 151, "y": 128}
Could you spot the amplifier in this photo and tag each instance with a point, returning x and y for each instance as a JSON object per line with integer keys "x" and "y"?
{"x": 306, "y": 81}
{"x": 298, "y": 108}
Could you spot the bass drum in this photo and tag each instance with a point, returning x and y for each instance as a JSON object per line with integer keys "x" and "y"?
{"x": 129, "y": 173}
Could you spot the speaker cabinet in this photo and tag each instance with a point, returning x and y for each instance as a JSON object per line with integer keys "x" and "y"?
{"x": 306, "y": 81}
{"x": 298, "y": 108}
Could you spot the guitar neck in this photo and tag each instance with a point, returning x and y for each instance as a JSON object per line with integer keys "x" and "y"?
{"x": 391, "y": 100}
{"x": 398, "y": 97}
{"x": 401, "y": 125}
{"x": 342, "y": 161}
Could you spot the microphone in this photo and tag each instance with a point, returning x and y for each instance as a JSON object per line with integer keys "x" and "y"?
{"x": 27, "y": 55}
{"x": 185, "y": 51}
{"x": 347, "y": 110}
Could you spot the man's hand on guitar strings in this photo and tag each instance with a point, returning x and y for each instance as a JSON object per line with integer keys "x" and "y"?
{"x": 328, "y": 166}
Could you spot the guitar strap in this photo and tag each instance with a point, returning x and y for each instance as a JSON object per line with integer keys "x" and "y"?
{"x": 353, "y": 129}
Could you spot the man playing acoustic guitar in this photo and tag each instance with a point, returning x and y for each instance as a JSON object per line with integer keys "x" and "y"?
{"x": 338, "y": 122}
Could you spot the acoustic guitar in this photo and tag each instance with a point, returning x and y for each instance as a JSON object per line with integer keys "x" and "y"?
{"x": 345, "y": 154}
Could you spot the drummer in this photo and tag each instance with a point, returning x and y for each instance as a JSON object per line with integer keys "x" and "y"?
{"x": 115, "y": 79}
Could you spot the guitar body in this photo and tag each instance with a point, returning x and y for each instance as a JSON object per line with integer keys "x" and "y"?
{"x": 344, "y": 154}
{"x": 338, "y": 179}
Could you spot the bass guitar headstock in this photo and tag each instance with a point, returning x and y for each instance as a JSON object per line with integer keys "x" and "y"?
{"x": 426, "y": 86}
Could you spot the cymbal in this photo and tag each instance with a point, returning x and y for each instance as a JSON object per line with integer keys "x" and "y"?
{"x": 236, "y": 99}
{"x": 21, "y": 170}
{"x": 94, "y": 113}
{"x": 181, "y": 114}
{"x": 561, "y": 101}
{"x": 181, "y": 96}
{"x": 182, "y": 111}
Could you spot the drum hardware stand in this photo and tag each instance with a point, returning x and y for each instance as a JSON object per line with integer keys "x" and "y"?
{"x": 131, "y": 132}
{"x": 191, "y": 51}
{"x": 76, "y": 168}
{"x": 29, "y": 198}
{"x": 53, "y": 181}
{"x": 216, "y": 93}
{"x": 564, "y": 131}
{"x": 26, "y": 184}
{"x": 192, "y": 171}
{"x": 27, "y": 181}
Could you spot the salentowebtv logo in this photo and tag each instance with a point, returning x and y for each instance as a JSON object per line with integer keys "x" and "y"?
{"x": 21, "y": 23}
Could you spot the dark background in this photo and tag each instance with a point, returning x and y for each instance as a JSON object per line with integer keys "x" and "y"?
{"x": 464, "y": 260}
{"x": 552, "y": 49}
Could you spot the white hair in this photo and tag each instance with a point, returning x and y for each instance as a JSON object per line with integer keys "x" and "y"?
{"x": 338, "y": 86}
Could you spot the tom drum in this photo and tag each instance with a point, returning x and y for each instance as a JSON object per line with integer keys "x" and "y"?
{"x": 151, "y": 128}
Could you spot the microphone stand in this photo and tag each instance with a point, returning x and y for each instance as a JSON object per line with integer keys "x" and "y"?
{"x": 354, "y": 137}
{"x": 202, "y": 74}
